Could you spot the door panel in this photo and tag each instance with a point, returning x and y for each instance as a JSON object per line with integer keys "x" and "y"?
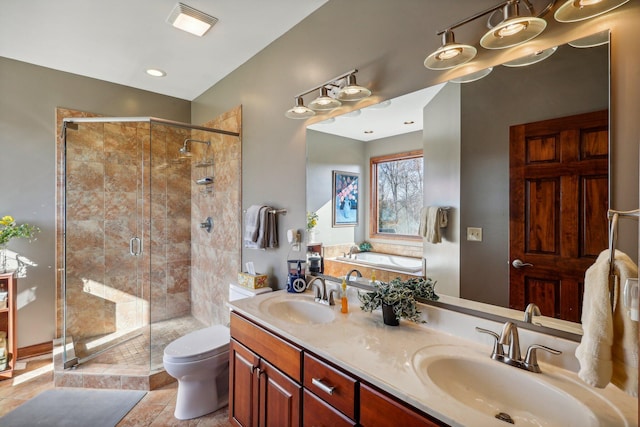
{"x": 243, "y": 388}
{"x": 558, "y": 210}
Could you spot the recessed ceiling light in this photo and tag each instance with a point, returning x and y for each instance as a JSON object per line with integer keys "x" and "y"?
{"x": 155, "y": 72}
{"x": 191, "y": 20}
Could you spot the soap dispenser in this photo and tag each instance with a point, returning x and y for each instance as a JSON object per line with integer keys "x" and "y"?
{"x": 373, "y": 281}
{"x": 345, "y": 301}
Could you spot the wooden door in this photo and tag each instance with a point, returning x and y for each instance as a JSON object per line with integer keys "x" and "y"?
{"x": 280, "y": 398}
{"x": 243, "y": 385}
{"x": 558, "y": 210}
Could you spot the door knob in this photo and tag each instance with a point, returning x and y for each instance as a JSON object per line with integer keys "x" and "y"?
{"x": 518, "y": 263}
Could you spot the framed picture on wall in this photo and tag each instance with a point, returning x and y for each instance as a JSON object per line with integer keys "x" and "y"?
{"x": 345, "y": 199}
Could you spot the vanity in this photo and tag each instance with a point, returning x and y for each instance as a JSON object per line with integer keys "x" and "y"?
{"x": 295, "y": 362}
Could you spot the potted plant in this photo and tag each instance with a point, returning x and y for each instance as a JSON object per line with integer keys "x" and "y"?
{"x": 312, "y": 222}
{"x": 10, "y": 230}
{"x": 398, "y": 298}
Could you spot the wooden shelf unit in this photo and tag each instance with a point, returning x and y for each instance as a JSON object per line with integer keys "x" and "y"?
{"x": 9, "y": 283}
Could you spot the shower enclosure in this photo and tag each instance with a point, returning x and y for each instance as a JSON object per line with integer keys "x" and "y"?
{"x": 132, "y": 193}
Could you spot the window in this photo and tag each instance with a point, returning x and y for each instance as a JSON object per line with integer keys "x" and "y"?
{"x": 396, "y": 194}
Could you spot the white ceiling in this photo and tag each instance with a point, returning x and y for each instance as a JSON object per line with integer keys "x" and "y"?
{"x": 389, "y": 118}
{"x": 117, "y": 40}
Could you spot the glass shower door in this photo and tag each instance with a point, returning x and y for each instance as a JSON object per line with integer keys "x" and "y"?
{"x": 104, "y": 299}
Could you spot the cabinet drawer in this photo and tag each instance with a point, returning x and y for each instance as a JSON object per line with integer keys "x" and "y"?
{"x": 317, "y": 413}
{"x": 333, "y": 386}
{"x": 379, "y": 410}
{"x": 280, "y": 353}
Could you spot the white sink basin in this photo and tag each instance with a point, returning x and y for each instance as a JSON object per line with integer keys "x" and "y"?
{"x": 490, "y": 388}
{"x": 299, "y": 311}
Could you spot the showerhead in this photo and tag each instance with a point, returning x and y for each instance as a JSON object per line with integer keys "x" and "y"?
{"x": 184, "y": 151}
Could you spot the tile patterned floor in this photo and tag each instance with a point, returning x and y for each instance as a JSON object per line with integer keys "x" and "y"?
{"x": 154, "y": 410}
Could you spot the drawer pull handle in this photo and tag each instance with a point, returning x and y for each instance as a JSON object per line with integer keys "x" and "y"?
{"x": 322, "y": 386}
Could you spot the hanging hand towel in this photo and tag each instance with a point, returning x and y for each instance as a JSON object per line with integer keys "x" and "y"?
{"x": 252, "y": 223}
{"x": 261, "y": 230}
{"x": 608, "y": 351}
{"x": 432, "y": 219}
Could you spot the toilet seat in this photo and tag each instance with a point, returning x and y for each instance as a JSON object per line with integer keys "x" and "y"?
{"x": 198, "y": 345}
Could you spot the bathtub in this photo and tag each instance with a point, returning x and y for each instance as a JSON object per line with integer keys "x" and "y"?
{"x": 385, "y": 262}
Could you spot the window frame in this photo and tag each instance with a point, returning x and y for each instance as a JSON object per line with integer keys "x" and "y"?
{"x": 373, "y": 205}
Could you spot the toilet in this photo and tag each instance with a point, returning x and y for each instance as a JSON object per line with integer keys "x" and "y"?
{"x": 199, "y": 361}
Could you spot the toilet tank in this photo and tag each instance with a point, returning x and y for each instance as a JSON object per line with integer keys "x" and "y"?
{"x": 237, "y": 292}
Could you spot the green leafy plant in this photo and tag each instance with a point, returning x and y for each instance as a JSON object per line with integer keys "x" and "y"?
{"x": 9, "y": 230}
{"x": 312, "y": 220}
{"x": 401, "y": 295}
{"x": 365, "y": 247}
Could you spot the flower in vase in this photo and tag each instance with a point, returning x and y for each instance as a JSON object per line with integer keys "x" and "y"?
{"x": 9, "y": 230}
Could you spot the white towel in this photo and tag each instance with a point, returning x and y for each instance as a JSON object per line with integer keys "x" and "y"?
{"x": 432, "y": 219}
{"x": 608, "y": 351}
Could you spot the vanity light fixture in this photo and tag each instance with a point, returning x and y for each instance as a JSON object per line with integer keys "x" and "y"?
{"x": 340, "y": 88}
{"x": 352, "y": 92}
{"x": 597, "y": 39}
{"x": 513, "y": 30}
{"x": 578, "y": 10}
{"x": 472, "y": 77}
{"x": 191, "y": 20}
{"x": 324, "y": 102}
{"x": 299, "y": 111}
{"x": 536, "y": 56}
{"x": 450, "y": 54}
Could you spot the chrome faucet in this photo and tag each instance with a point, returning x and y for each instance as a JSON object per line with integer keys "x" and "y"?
{"x": 351, "y": 250}
{"x": 348, "y": 276}
{"x": 509, "y": 336}
{"x": 320, "y": 293}
{"x": 530, "y": 311}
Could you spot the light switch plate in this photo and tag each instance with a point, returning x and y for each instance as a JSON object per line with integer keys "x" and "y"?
{"x": 474, "y": 234}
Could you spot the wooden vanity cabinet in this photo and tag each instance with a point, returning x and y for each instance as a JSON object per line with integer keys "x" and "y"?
{"x": 264, "y": 377}
{"x": 330, "y": 397}
{"x": 379, "y": 410}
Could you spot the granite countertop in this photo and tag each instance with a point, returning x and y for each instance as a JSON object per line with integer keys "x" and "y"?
{"x": 384, "y": 356}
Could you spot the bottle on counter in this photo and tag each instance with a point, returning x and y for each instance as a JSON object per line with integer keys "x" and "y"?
{"x": 345, "y": 301}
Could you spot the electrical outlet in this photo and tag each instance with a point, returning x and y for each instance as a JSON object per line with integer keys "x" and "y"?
{"x": 474, "y": 234}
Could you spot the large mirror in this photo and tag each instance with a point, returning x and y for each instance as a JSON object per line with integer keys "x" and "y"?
{"x": 464, "y": 132}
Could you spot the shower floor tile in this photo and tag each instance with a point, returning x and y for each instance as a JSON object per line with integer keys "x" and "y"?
{"x": 143, "y": 353}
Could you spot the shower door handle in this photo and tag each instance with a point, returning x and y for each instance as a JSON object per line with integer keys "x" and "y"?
{"x": 135, "y": 246}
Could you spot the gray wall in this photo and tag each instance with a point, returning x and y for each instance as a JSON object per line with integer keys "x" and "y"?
{"x": 30, "y": 95}
{"x": 442, "y": 185}
{"x": 387, "y": 41}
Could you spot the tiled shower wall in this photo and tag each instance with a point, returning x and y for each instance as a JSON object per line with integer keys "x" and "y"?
{"x": 216, "y": 255}
{"x": 107, "y": 289}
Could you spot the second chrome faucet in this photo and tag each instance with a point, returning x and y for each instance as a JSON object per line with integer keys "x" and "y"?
{"x": 513, "y": 357}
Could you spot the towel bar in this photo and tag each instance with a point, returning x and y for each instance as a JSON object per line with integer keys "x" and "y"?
{"x": 273, "y": 211}
{"x": 613, "y": 216}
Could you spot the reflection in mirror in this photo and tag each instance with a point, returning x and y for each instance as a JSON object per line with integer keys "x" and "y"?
{"x": 464, "y": 132}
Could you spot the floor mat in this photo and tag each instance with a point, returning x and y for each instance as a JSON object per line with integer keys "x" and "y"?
{"x": 73, "y": 407}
